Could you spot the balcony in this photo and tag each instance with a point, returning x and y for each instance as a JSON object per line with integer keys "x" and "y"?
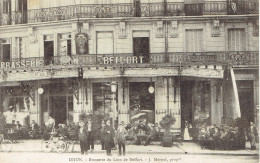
{"x": 129, "y": 10}
{"x": 248, "y": 58}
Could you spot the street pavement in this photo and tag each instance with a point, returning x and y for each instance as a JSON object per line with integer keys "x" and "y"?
{"x": 30, "y": 151}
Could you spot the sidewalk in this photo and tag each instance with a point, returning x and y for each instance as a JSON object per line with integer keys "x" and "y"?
{"x": 189, "y": 147}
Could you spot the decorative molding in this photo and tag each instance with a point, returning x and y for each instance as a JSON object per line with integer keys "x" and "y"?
{"x": 256, "y": 28}
{"x": 173, "y": 30}
{"x": 29, "y": 88}
{"x": 122, "y": 30}
{"x": 159, "y": 29}
{"x": 32, "y": 38}
{"x": 215, "y": 32}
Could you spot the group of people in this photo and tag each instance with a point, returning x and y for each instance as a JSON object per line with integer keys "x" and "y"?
{"x": 143, "y": 132}
{"x": 224, "y": 136}
{"x": 107, "y": 135}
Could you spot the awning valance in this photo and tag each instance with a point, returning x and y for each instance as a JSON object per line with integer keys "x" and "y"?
{"x": 154, "y": 72}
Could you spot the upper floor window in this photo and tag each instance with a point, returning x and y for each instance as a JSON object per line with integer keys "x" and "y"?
{"x": 193, "y": 7}
{"x": 105, "y": 43}
{"x": 65, "y": 44}
{"x": 6, "y": 6}
{"x": 5, "y": 50}
{"x": 194, "y": 40}
{"x": 48, "y": 49}
{"x": 236, "y": 40}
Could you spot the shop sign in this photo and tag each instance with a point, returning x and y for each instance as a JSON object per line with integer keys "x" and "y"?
{"x": 121, "y": 60}
{"x": 28, "y": 76}
{"x": 35, "y": 62}
{"x": 65, "y": 73}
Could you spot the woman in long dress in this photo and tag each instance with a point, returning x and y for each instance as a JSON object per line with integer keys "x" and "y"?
{"x": 186, "y": 135}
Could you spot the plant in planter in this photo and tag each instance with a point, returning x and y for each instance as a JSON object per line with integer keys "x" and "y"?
{"x": 166, "y": 123}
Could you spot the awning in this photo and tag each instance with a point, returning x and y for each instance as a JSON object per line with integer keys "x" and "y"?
{"x": 153, "y": 72}
{"x": 193, "y": 1}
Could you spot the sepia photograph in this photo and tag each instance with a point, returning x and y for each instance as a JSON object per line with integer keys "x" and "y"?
{"x": 129, "y": 81}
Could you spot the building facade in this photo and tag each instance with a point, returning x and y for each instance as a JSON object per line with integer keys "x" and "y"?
{"x": 197, "y": 60}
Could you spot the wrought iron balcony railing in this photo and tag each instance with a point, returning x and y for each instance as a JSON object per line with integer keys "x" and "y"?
{"x": 246, "y": 58}
{"x": 129, "y": 10}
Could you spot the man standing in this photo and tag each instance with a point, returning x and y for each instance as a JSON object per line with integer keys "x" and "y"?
{"x": 252, "y": 134}
{"x": 102, "y": 135}
{"x": 83, "y": 136}
{"x": 121, "y": 138}
{"x": 91, "y": 136}
{"x": 109, "y": 136}
{"x": 2, "y": 123}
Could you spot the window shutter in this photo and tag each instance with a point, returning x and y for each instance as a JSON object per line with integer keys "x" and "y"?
{"x": 105, "y": 44}
{"x": 194, "y": 40}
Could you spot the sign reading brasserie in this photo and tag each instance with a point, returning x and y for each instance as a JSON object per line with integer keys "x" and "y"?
{"x": 74, "y": 60}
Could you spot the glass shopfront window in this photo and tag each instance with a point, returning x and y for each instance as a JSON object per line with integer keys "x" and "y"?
{"x": 103, "y": 99}
{"x": 16, "y": 104}
{"x": 142, "y": 101}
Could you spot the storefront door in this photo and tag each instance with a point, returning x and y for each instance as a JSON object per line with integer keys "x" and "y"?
{"x": 142, "y": 101}
{"x": 186, "y": 102}
{"x": 58, "y": 109}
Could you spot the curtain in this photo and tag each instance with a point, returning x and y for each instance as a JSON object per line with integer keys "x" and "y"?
{"x": 236, "y": 40}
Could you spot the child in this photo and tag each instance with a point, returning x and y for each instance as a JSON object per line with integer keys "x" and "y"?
{"x": 83, "y": 134}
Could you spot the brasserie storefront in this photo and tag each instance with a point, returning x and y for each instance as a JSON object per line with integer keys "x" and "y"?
{"x": 119, "y": 90}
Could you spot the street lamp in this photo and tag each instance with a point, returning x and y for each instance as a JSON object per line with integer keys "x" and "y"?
{"x": 113, "y": 90}
{"x": 40, "y": 91}
{"x": 151, "y": 88}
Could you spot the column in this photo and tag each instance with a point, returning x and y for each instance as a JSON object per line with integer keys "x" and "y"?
{"x": 123, "y": 101}
{"x": 160, "y": 98}
{"x": 78, "y": 103}
{"x": 216, "y": 96}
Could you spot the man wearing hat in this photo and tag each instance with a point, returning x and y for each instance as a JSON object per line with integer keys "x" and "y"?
{"x": 102, "y": 135}
{"x": 121, "y": 137}
{"x": 109, "y": 136}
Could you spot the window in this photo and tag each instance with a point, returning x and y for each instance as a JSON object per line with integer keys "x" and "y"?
{"x": 48, "y": 49}
{"x": 193, "y": 7}
{"x": 22, "y": 5}
{"x": 102, "y": 98}
{"x": 65, "y": 44}
{"x": 6, "y": 6}
{"x": 236, "y": 40}
{"x": 194, "y": 40}
{"x": 141, "y": 99}
{"x": 6, "y": 50}
{"x": 137, "y": 5}
{"x": 105, "y": 43}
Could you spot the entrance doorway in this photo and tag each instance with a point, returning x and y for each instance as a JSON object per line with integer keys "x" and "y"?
{"x": 246, "y": 99}
{"x": 58, "y": 109}
{"x": 186, "y": 102}
{"x": 141, "y": 48}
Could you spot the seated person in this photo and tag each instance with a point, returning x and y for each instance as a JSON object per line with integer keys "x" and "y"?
{"x": 18, "y": 126}
{"x": 216, "y": 134}
{"x": 151, "y": 135}
{"x": 34, "y": 126}
{"x": 141, "y": 126}
{"x": 61, "y": 131}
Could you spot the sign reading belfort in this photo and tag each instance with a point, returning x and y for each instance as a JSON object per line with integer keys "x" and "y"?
{"x": 74, "y": 60}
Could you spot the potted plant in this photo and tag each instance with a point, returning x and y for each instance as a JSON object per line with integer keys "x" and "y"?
{"x": 166, "y": 123}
